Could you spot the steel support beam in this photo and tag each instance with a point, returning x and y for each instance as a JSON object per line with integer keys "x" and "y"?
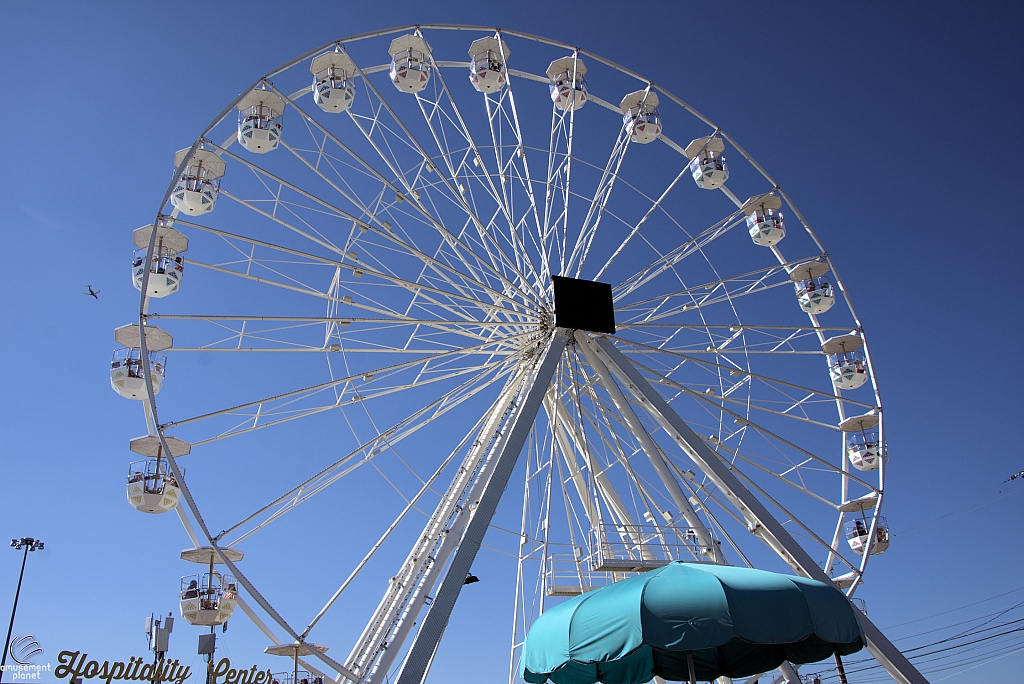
{"x": 417, "y": 663}
{"x": 759, "y": 520}
{"x": 654, "y": 454}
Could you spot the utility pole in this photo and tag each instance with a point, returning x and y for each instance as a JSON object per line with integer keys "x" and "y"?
{"x": 207, "y": 647}
{"x": 159, "y": 636}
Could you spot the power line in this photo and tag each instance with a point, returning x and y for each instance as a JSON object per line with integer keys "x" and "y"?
{"x": 967, "y": 508}
{"x": 852, "y": 666}
{"x": 964, "y": 621}
{"x": 953, "y": 610}
{"x": 1018, "y": 650}
{"x": 963, "y": 634}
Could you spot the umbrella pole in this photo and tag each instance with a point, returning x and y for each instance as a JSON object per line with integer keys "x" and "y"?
{"x": 693, "y": 671}
{"x": 842, "y": 670}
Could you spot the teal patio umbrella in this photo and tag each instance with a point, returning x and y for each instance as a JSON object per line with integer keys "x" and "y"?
{"x": 688, "y": 622}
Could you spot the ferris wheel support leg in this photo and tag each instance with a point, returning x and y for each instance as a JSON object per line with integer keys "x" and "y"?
{"x": 417, "y": 663}
{"x": 789, "y": 674}
{"x": 759, "y": 520}
{"x": 654, "y": 454}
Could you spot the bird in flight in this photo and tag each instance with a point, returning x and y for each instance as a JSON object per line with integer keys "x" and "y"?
{"x": 95, "y": 294}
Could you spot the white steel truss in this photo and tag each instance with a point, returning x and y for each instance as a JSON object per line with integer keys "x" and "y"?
{"x": 385, "y": 276}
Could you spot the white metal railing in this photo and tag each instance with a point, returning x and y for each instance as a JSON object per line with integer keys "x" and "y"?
{"x": 646, "y": 547}
{"x": 621, "y": 551}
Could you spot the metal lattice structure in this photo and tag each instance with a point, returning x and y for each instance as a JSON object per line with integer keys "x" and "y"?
{"x": 371, "y": 260}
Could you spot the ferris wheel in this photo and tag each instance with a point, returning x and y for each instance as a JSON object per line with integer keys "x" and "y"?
{"x": 436, "y": 284}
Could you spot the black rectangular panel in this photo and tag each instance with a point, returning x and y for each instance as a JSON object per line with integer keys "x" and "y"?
{"x": 584, "y": 305}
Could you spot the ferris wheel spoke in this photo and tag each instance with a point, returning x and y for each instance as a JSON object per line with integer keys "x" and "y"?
{"x": 359, "y": 268}
{"x": 707, "y": 340}
{"x": 712, "y": 402}
{"x": 635, "y": 230}
{"x": 639, "y": 537}
{"x": 668, "y": 261}
{"x": 736, "y": 372}
{"x": 263, "y": 175}
{"x": 502, "y": 116}
{"x": 428, "y": 485}
{"x": 572, "y": 441}
{"x": 307, "y": 290}
{"x": 376, "y": 136}
{"x": 648, "y": 541}
{"x": 366, "y": 166}
{"x": 275, "y": 416}
{"x": 654, "y": 454}
{"x": 526, "y": 176}
{"x": 699, "y": 295}
{"x": 366, "y": 452}
{"x": 388, "y": 234}
{"x": 367, "y": 169}
{"x": 596, "y": 210}
{"x": 364, "y": 209}
{"x": 554, "y": 230}
{"x": 472, "y": 329}
{"x": 793, "y": 518}
{"x": 602, "y": 421}
{"x": 444, "y": 110}
{"x": 801, "y": 486}
{"x": 484, "y": 349}
{"x": 747, "y": 424}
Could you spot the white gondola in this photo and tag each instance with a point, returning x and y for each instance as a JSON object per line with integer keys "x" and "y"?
{"x": 858, "y": 535}
{"x": 410, "y": 63}
{"x": 296, "y": 677}
{"x": 863, "y": 444}
{"x": 295, "y": 650}
{"x": 567, "y": 83}
{"x": 813, "y": 290}
{"x": 167, "y": 266}
{"x": 707, "y": 162}
{"x": 208, "y": 599}
{"x": 864, "y": 451}
{"x": 127, "y": 374}
{"x": 764, "y": 221}
{"x": 487, "y": 59}
{"x": 334, "y": 87}
{"x": 640, "y": 114}
{"x": 199, "y": 182}
{"x": 259, "y": 120}
{"x": 846, "y": 366}
{"x": 152, "y": 487}
{"x": 128, "y": 377}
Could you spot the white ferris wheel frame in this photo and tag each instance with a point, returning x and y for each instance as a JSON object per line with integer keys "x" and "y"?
{"x": 531, "y": 389}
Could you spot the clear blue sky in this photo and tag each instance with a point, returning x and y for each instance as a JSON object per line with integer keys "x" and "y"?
{"x": 903, "y": 119}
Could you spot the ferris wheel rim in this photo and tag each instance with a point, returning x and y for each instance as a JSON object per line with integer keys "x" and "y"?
{"x": 144, "y": 316}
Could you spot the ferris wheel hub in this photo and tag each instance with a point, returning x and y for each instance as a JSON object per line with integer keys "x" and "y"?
{"x": 584, "y": 305}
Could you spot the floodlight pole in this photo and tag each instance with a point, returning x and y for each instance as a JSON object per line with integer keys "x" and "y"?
{"x": 30, "y": 545}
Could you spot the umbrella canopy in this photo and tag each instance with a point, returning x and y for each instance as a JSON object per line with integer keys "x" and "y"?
{"x": 735, "y": 622}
